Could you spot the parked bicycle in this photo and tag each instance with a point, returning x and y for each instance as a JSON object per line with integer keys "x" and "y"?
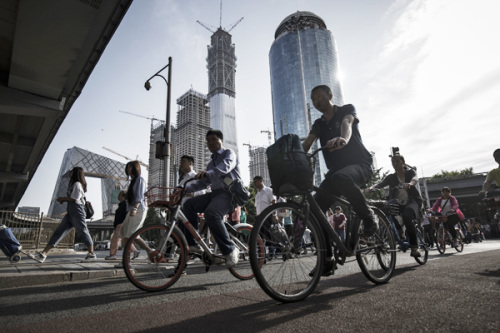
{"x": 161, "y": 268}
{"x": 443, "y": 237}
{"x": 392, "y": 211}
{"x": 295, "y": 275}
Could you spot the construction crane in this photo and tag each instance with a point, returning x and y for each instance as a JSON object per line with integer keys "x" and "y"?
{"x": 227, "y": 29}
{"x": 126, "y": 157}
{"x": 268, "y": 135}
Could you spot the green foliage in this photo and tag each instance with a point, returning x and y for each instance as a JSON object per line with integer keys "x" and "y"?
{"x": 452, "y": 174}
{"x": 376, "y": 178}
{"x": 250, "y": 204}
{"x": 152, "y": 217}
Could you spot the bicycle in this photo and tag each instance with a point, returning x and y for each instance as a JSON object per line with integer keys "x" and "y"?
{"x": 161, "y": 268}
{"x": 443, "y": 237}
{"x": 296, "y": 275}
{"x": 393, "y": 214}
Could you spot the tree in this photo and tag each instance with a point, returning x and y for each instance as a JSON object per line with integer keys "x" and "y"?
{"x": 250, "y": 204}
{"x": 452, "y": 174}
{"x": 152, "y": 217}
{"x": 376, "y": 178}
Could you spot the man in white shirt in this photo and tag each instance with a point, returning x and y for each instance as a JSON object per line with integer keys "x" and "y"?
{"x": 187, "y": 172}
{"x": 264, "y": 199}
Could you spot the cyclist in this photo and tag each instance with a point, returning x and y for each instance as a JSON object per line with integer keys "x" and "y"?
{"x": 492, "y": 177}
{"x": 217, "y": 203}
{"x": 448, "y": 205}
{"x": 404, "y": 191}
{"x": 349, "y": 162}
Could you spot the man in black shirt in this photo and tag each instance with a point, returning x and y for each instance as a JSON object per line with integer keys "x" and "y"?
{"x": 349, "y": 162}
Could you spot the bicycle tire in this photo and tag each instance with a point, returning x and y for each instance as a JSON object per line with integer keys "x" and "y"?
{"x": 440, "y": 240}
{"x": 160, "y": 269}
{"x": 376, "y": 255}
{"x": 287, "y": 278}
{"x": 422, "y": 247}
{"x": 243, "y": 270}
{"x": 460, "y": 246}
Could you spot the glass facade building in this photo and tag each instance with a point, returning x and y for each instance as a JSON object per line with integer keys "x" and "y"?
{"x": 302, "y": 56}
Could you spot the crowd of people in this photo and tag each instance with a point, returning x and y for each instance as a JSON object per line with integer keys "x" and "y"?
{"x": 349, "y": 170}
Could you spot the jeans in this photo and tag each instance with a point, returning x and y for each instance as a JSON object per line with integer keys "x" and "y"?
{"x": 215, "y": 205}
{"x": 75, "y": 218}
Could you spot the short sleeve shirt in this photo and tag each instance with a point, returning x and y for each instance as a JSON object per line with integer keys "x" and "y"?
{"x": 354, "y": 153}
{"x": 77, "y": 193}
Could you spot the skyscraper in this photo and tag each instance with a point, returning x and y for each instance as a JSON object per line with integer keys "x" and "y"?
{"x": 258, "y": 164}
{"x": 221, "y": 64}
{"x": 302, "y": 56}
{"x": 193, "y": 122}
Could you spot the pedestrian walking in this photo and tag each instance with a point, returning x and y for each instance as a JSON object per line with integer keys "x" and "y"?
{"x": 74, "y": 218}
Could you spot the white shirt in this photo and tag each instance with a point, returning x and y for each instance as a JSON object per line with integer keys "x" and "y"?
{"x": 190, "y": 175}
{"x": 263, "y": 199}
{"x": 77, "y": 193}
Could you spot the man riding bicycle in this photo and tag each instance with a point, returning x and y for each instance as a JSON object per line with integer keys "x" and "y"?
{"x": 404, "y": 192}
{"x": 349, "y": 162}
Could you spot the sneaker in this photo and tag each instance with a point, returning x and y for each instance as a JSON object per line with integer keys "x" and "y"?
{"x": 328, "y": 269}
{"x": 40, "y": 257}
{"x": 110, "y": 257}
{"x": 120, "y": 265}
{"x": 136, "y": 254}
{"x": 195, "y": 249}
{"x": 370, "y": 224}
{"x": 90, "y": 257}
{"x": 415, "y": 253}
{"x": 455, "y": 243}
{"x": 232, "y": 258}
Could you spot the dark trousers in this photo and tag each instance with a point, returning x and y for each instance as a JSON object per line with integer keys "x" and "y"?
{"x": 215, "y": 205}
{"x": 346, "y": 182}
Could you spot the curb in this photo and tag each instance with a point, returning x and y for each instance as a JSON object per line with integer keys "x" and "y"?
{"x": 35, "y": 279}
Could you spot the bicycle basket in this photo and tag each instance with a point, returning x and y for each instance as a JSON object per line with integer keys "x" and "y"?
{"x": 163, "y": 196}
{"x": 289, "y": 167}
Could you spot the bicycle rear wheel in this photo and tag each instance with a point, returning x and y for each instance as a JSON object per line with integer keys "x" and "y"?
{"x": 290, "y": 276}
{"x": 376, "y": 255}
{"x": 441, "y": 240}
{"x": 161, "y": 268}
{"x": 422, "y": 246}
{"x": 243, "y": 270}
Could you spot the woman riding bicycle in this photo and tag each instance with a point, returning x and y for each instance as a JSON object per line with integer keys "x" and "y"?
{"x": 448, "y": 205}
{"x": 404, "y": 192}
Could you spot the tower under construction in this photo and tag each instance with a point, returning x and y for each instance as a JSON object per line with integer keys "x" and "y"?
{"x": 193, "y": 122}
{"x": 221, "y": 65}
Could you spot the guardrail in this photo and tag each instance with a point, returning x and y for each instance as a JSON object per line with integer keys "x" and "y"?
{"x": 33, "y": 231}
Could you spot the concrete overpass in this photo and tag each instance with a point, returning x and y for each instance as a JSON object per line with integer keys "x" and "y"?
{"x": 48, "y": 49}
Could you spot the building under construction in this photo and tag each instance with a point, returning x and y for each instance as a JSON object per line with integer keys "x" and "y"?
{"x": 258, "y": 164}
{"x": 193, "y": 122}
{"x": 188, "y": 138}
{"x": 221, "y": 65}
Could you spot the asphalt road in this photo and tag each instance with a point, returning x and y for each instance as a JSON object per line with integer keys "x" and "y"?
{"x": 451, "y": 293}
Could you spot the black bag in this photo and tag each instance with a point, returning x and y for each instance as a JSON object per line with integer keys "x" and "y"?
{"x": 239, "y": 192}
{"x": 89, "y": 210}
{"x": 289, "y": 167}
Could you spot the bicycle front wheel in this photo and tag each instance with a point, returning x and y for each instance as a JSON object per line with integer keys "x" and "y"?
{"x": 460, "y": 246}
{"x": 441, "y": 240}
{"x": 422, "y": 246}
{"x": 376, "y": 255}
{"x": 162, "y": 267}
{"x": 289, "y": 274}
{"x": 243, "y": 270}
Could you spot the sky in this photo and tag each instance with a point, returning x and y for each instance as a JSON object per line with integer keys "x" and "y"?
{"x": 424, "y": 76}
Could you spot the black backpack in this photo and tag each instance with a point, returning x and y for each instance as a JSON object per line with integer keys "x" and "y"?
{"x": 289, "y": 167}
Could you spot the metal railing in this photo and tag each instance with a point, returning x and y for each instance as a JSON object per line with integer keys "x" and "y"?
{"x": 33, "y": 231}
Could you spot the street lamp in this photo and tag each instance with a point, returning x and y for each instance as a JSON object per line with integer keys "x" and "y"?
{"x": 165, "y": 148}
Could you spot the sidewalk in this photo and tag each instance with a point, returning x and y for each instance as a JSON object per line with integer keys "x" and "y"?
{"x": 60, "y": 266}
